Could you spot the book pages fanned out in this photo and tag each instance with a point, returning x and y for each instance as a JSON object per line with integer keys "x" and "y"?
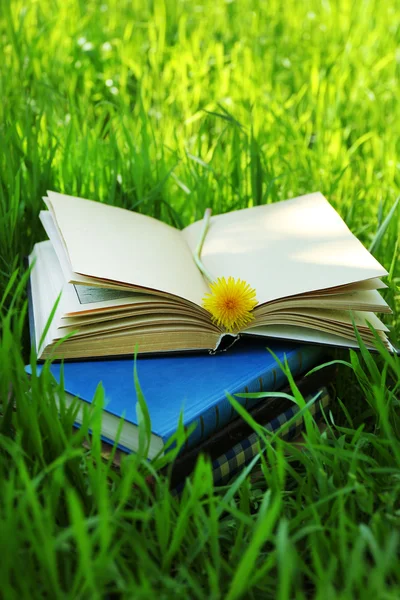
{"x": 128, "y": 281}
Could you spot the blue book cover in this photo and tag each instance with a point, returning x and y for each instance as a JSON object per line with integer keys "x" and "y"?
{"x": 193, "y": 384}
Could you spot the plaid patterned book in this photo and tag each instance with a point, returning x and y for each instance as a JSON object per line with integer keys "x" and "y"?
{"x": 238, "y": 429}
{"x": 231, "y": 462}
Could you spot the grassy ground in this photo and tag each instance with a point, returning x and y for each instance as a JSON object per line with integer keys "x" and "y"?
{"x": 167, "y": 107}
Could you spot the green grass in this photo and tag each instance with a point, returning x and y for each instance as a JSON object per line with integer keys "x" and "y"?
{"x": 168, "y": 107}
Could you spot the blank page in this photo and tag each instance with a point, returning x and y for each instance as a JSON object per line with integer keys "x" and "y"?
{"x": 286, "y": 248}
{"x": 119, "y": 245}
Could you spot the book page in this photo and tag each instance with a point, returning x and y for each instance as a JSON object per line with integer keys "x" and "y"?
{"x": 369, "y": 300}
{"x": 111, "y": 243}
{"x": 286, "y": 248}
{"x": 303, "y": 334}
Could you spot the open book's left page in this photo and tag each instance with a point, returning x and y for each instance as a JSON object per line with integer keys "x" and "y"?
{"x": 117, "y": 245}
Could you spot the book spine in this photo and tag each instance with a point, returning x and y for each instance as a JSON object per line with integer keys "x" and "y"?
{"x": 222, "y": 412}
{"x": 231, "y": 462}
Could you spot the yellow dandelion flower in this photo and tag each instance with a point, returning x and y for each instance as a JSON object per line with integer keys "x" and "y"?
{"x": 230, "y": 303}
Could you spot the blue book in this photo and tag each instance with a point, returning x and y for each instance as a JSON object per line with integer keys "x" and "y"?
{"x": 194, "y": 385}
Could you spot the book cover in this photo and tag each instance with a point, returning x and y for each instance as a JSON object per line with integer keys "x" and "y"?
{"x": 194, "y": 385}
{"x": 231, "y": 462}
{"x": 237, "y": 429}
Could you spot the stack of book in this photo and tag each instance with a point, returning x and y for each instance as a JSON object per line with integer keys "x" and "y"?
{"x": 197, "y": 387}
{"x": 114, "y": 281}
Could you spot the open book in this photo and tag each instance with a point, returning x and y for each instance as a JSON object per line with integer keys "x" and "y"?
{"x": 128, "y": 280}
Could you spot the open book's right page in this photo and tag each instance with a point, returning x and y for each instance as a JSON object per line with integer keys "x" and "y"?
{"x": 284, "y": 249}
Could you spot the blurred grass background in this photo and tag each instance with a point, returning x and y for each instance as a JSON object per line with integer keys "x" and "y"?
{"x": 168, "y": 107}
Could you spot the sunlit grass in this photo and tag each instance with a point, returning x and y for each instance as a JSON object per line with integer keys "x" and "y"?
{"x": 170, "y": 107}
